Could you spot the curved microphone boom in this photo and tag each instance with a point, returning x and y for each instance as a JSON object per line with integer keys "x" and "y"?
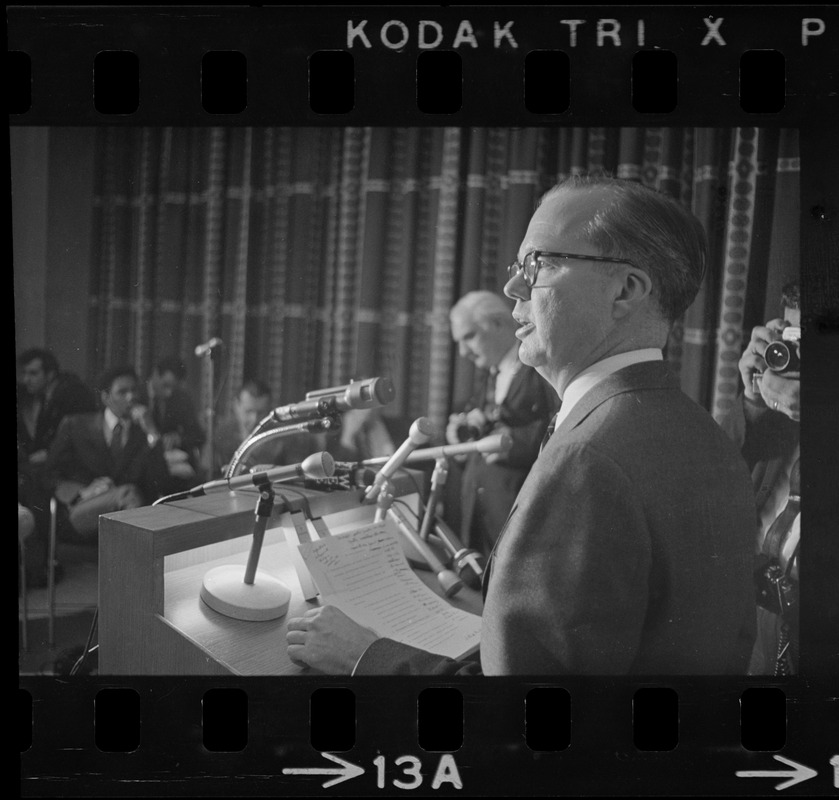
{"x": 421, "y": 431}
{"x": 207, "y": 347}
{"x": 317, "y": 465}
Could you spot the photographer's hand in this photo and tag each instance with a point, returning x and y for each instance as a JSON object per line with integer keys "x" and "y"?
{"x": 782, "y": 393}
{"x": 455, "y": 421}
{"x": 751, "y": 362}
{"x": 476, "y": 418}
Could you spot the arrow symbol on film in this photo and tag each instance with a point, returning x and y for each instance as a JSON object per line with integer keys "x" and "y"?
{"x": 798, "y": 774}
{"x": 345, "y": 771}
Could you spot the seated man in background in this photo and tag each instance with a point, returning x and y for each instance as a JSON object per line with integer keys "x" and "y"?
{"x": 363, "y": 434}
{"x": 250, "y": 406}
{"x": 513, "y": 399}
{"x": 765, "y": 424}
{"x": 107, "y": 460}
{"x": 173, "y": 413}
{"x": 46, "y": 395}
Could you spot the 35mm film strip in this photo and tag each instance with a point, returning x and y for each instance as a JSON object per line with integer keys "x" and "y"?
{"x": 772, "y": 67}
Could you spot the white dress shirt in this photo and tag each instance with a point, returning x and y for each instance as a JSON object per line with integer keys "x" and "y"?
{"x": 591, "y": 376}
{"x": 111, "y": 420}
{"x": 507, "y": 369}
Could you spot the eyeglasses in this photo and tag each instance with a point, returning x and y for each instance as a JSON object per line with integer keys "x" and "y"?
{"x": 532, "y": 263}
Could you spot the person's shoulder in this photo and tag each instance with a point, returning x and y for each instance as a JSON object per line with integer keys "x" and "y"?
{"x": 81, "y": 423}
{"x": 70, "y": 387}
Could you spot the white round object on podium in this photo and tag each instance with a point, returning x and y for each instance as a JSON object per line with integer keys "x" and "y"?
{"x": 224, "y": 590}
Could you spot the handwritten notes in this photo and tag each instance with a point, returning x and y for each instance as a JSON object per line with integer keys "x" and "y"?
{"x": 364, "y": 573}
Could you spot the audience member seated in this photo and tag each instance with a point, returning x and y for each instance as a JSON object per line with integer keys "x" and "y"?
{"x": 250, "y": 406}
{"x": 46, "y": 395}
{"x": 172, "y": 412}
{"x": 364, "y": 433}
{"x": 106, "y": 460}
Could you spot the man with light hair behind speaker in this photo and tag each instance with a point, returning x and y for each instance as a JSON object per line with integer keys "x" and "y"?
{"x": 511, "y": 399}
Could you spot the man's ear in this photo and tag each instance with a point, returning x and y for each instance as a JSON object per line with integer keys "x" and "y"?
{"x": 635, "y": 287}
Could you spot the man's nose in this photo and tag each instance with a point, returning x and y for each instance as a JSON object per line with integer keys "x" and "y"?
{"x": 516, "y": 288}
{"x": 463, "y": 349}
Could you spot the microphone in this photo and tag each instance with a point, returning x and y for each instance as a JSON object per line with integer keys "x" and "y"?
{"x": 368, "y": 393}
{"x": 208, "y": 347}
{"x": 496, "y": 443}
{"x": 317, "y": 465}
{"x": 468, "y": 563}
{"x": 422, "y": 429}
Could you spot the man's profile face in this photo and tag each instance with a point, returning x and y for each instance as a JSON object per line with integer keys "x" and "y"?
{"x": 249, "y": 410}
{"x": 483, "y": 343}
{"x": 34, "y": 377}
{"x": 121, "y": 396}
{"x": 566, "y": 317}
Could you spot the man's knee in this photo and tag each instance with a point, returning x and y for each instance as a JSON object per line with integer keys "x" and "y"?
{"x": 25, "y": 522}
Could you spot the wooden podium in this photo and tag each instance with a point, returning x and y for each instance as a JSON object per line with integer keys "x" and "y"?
{"x": 152, "y": 562}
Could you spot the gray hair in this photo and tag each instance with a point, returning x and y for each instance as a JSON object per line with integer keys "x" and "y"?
{"x": 658, "y": 234}
{"x": 483, "y": 307}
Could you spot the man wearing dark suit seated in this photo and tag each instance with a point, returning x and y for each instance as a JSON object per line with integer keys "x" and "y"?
{"x": 629, "y": 549}
{"x": 107, "y": 460}
{"x": 172, "y": 411}
{"x": 513, "y": 399}
{"x": 46, "y": 394}
{"x": 250, "y": 406}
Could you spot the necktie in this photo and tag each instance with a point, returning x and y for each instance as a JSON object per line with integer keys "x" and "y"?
{"x": 549, "y": 432}
{"x": 116, "y": 442}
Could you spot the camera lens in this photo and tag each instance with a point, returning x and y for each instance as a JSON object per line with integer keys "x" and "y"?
{"x": 780, "y": 357}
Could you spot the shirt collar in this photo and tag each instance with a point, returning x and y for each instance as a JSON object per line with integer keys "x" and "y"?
{"x": 594, "y": 374}
{"x": 510, "y": 362}
{"x": 111, "y": 419}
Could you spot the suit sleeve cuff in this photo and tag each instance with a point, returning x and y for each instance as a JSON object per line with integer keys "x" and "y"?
{"x": 361, "y": 657}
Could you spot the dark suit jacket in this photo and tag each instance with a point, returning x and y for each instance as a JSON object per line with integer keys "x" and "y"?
{"x": 628, "y": 551}
{"x": 70, "y": 396}
{"x": 177, "y": 414}
{"x": 80, "y": 453}
{"x": 487, "y": 491}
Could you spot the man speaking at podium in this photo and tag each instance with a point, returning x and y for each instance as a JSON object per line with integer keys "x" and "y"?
{"x": 629, "y": 547}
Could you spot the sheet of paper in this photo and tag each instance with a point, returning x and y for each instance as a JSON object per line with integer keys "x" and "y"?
{"x": 364, "y": 573}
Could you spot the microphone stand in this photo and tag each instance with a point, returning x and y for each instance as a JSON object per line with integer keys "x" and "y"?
{"x": 257, "y": 596}
{"x": 466, "y": 561}
{"x": 449, "y": 582}
{"x": 438, "y": 481}
{"x": 209, "y": 453}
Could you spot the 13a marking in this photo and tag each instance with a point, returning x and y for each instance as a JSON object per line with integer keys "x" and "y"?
{"x": 410, "y": 766}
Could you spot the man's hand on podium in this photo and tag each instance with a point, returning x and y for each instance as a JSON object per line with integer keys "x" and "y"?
{"x": 327, "y": 640}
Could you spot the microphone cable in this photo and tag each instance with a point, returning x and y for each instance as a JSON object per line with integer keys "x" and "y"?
{"x": 76, "y": 668}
